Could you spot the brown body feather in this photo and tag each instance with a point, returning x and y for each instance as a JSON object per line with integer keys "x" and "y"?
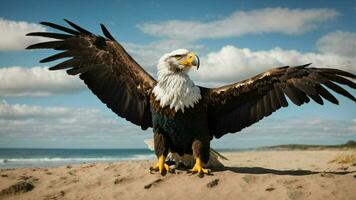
{"x": 155, "y": 104}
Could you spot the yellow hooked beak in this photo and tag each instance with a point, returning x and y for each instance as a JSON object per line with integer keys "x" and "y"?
{"x": 190, "y": 60}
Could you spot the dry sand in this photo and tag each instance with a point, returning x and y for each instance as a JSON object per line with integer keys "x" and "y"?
{"x": 324, "y": 174}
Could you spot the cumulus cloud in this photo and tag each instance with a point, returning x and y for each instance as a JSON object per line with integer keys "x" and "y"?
{"x": 85, "y": 127}
{"x": 267, "y": 20}
{"x": 232, "y": 63}
{"x": 22, "y": 119}
{"x": 181, "y": 34}
{"x": 148, "y": 54}
{"x": 61, "y": 126}
{"x": 23, "y": 111}
{"x": 12, "y": 34}
{"x": 36, "y": 81}
{"x": 339, "y": 42}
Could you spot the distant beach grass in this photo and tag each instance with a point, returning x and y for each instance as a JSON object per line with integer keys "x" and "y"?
{"x": 348, "y": 145}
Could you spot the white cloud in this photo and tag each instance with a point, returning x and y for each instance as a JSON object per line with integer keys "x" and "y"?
{"x": 148, "y": 54}
{"x": 23, "y": 111}
{"x": 231, "y": 63}
{"x": 65, "y": 126}
{"x": 12, "y": 34}
{"x": 181, "y": 34}
{"x": 339, "y": 42}
{"x": 19, "y": 119}
{"x": 36, "y": 81}
{"x": 47, "y": 127}
{"x": 267, "y": 20}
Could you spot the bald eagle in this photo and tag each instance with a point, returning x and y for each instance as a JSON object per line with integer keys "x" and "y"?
{"x": 185, "y": 117}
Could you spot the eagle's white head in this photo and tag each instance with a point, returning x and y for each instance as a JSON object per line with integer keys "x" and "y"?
{"x": 178, "y": 61}
{"x": 174, "y": 88}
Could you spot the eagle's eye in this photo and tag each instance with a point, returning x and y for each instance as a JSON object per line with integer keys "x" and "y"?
{"x": 178, "y": 57}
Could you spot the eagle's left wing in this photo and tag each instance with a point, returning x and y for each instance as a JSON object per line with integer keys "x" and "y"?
{"x": 239, "y": 105}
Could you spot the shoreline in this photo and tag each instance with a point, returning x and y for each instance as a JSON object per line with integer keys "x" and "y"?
{"x": 60, "y": 162}
{"x": 297, "y": 174}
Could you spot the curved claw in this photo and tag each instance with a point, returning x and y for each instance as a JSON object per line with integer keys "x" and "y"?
{"x": 161, "y": 166}
{"x": 199, "y": 169}
{"x": 161, "y": 169}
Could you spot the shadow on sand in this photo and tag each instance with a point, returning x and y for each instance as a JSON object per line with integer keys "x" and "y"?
{"x": 299, "y": 172}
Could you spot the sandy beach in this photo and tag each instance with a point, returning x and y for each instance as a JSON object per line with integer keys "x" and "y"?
{"x": 317, "y": 174}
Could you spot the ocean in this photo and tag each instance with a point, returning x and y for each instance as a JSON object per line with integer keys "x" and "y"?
{"x": 14, "y": 158}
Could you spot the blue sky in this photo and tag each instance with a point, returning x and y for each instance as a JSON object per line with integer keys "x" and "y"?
{"x": 234, "y": 39}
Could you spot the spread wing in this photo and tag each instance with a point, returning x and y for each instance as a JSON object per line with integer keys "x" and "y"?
{"x": 105, "y": 67}
{"x": 239, "y": 105}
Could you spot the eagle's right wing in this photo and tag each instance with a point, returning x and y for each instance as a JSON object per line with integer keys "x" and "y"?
{"x": 105, "y": 67}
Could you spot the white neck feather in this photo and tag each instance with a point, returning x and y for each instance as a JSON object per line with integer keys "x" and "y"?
{"x": 175, "y": 89}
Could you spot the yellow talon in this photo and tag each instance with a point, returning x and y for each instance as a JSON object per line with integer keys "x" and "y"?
{"x": 161, "y": 166}
{"x": 198, "y": 168}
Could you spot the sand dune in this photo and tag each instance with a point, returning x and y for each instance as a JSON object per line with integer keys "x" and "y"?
{"x": 324, "y": 174}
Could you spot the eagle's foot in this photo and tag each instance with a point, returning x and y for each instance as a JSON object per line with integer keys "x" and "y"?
{"x": 161, "y": 166}
{"x": 199, "y": 169}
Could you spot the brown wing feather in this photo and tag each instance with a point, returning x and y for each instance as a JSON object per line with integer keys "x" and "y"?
{"x": 105, "y": 67}
{"x": 239, "y": 105}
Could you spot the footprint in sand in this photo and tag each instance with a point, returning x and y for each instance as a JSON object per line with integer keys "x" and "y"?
{"x": 54, "y": 196}
{"x": 118, "y": 180}
{"x": 148, "y": 186}
{"x": 249, "y": 179}
{"x": 25, "y": 178}
{"x": 269, "y": 189}
{"x": 213, "y": 183}
{"x": 71, "y": 173}
{"x": 295, "y": 194}
{"x": 294, "y": 189}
